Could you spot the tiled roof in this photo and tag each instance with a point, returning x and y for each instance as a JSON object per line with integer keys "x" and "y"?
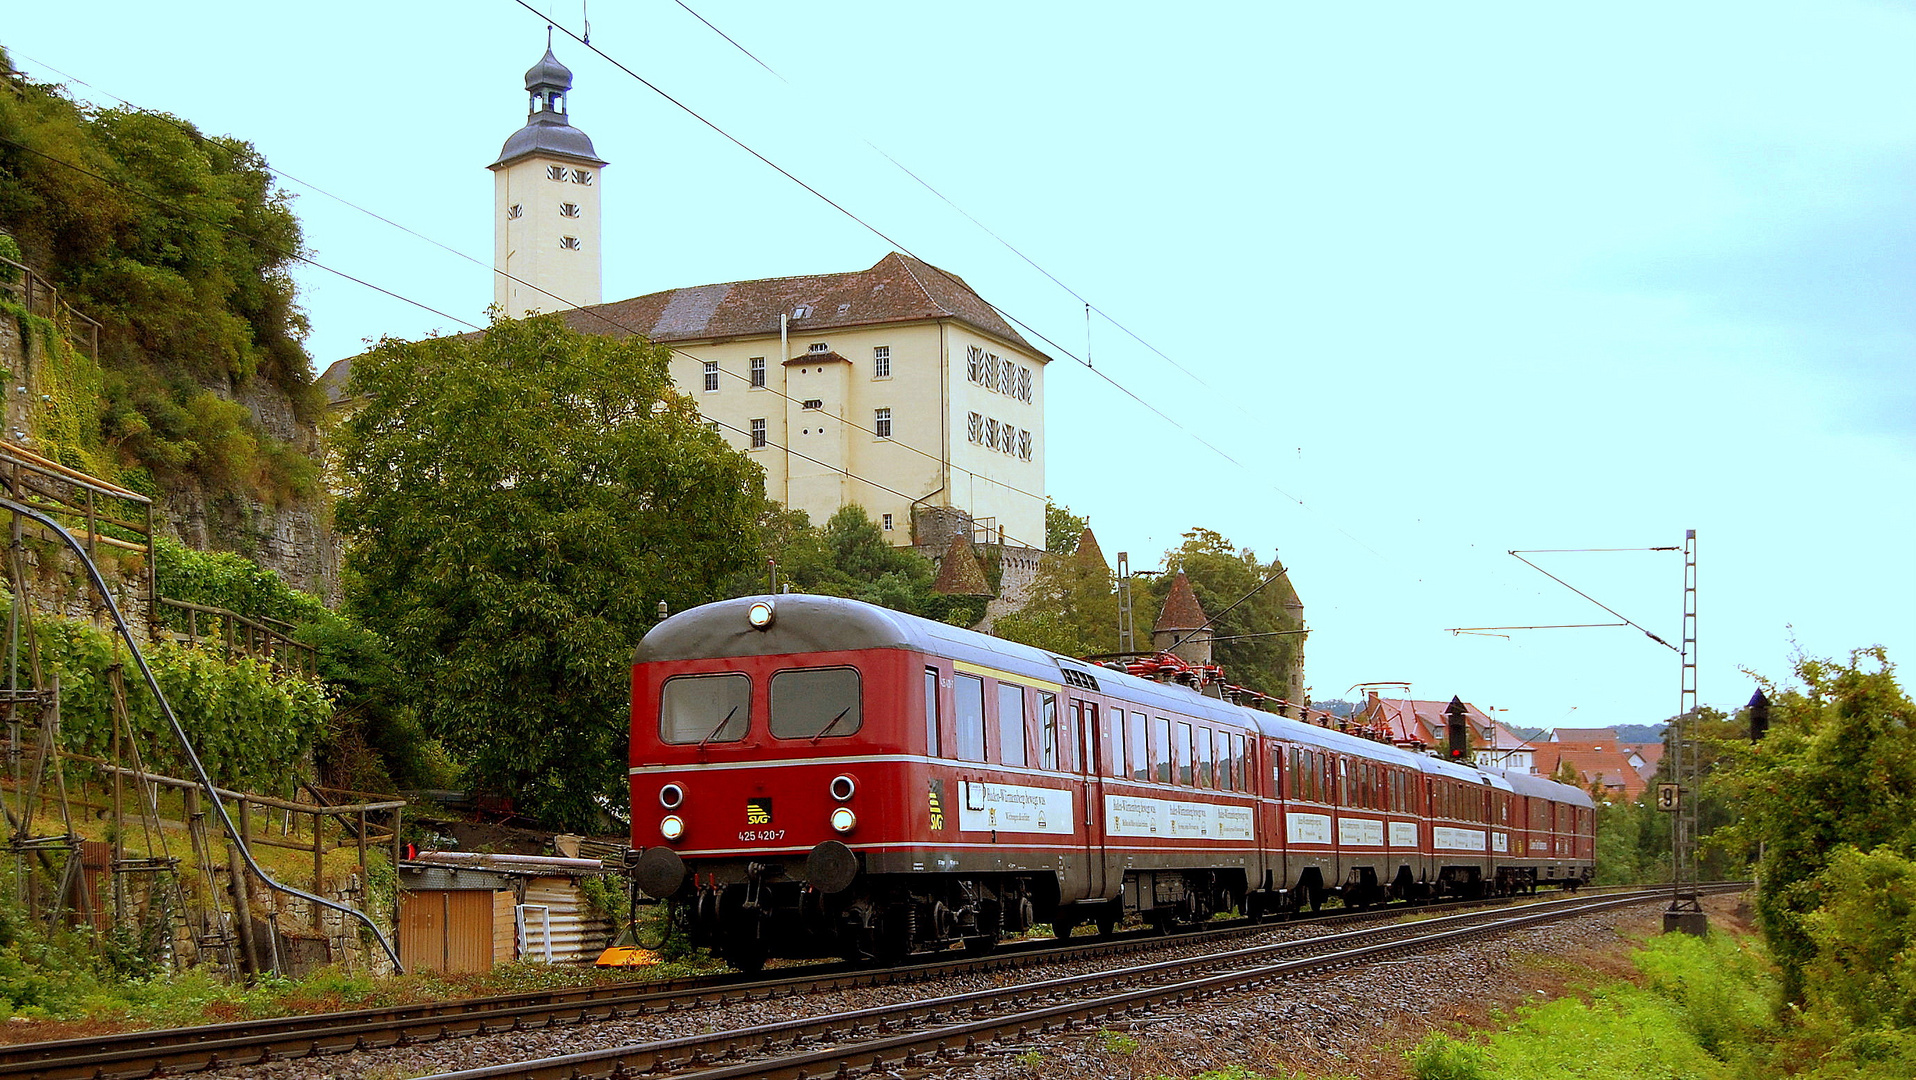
{"x": 1088, "y": 547}
{"x": 1609, "y": 766}
{"x": 1607, "y": 736}
{"x": 897, "y": 288}
{"x": 1181, "y": 610}
{"x": 959, "y": 573}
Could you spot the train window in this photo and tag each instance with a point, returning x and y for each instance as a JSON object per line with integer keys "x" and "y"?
{"x": 1047, "y": 730}
{"x": 1011, "y": 724}
{"x": 812, "y": 703}
{"x": 1187, "y": 753}
{"x": 1161, "y": 750}
{"x": 1307, "y": 788}
{"x": 1135, "y": 745}
{"x": 969, "y": 700}
{"x": 1202, "y": 741}
{"x": 705, "y": 708}
{"x": 1116, "y": 738}
{"x": 1226, "y": 766}
{"x": 931, "y": 711}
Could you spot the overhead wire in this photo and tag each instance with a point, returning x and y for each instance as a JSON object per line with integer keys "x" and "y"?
{"x": 308, "y": 260}
{"x": 986, "y": 229}
{"x": 569, "y": 303}
{"x": 889, "y": 239}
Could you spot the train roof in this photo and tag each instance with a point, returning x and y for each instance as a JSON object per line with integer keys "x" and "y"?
{"x": 804, "y": 623}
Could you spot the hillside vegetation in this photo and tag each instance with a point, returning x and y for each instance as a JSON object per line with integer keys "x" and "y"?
{"x": 179, "y": 244}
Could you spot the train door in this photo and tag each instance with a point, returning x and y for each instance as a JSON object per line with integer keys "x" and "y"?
{"x": 1089, "y": 740}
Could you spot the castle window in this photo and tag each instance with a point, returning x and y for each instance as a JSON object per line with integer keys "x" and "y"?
{"x": 1010, "y": 444}
{"x": 1024, "y": 384}
{"x": 814, "y": 403}
{"x": 570, "y": 209}
{"x": 1009, "y": 384}
{"x": 570, "y": 243}
{"x": 555, "y": 172}
{"x": 712, "y": 426}
{"x": 991, "y": 372}
{"x": 973, "y": 364}
{"x": 758, "y": 370}
{"x": 515, "y": 212}
{"x": 818, "y": 347}
{"x": 881, "y": 362}
{"x": 758, "y": 433}
{"x": 887, "y": 524}
{"x": 991, "y": 432}
{"x": 975, "y": 428}
{"x": 881, "y": 423}
{"x": 1024, "y": 444}
{"x": 711, "y": 375}
{"x": 582, "y": 176}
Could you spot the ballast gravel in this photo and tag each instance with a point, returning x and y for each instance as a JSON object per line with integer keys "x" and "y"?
{"x": 1344, "y": 1024}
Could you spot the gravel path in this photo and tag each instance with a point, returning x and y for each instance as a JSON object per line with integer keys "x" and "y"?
{"x": 1327, "y": 1024}
{"x": 1355, "y": 1024}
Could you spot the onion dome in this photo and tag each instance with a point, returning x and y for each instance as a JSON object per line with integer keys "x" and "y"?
{"x": 548, "y": 131}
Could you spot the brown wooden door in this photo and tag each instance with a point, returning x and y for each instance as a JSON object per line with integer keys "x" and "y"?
{"x": 446, "y": 930}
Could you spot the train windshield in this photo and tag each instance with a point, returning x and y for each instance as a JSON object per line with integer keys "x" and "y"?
{"x": 815, "y": 703}
{"x": 705, "y": 708}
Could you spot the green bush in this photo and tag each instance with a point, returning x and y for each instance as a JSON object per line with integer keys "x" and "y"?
{"x": 1440, "y": 1057}
{"x": 252, "y": 728}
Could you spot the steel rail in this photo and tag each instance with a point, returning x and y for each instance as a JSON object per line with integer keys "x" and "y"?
{"x": 873, "y": 1037}
{"x": 181, "y": 1050}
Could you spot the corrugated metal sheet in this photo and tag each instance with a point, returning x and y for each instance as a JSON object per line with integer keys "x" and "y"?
{"x": 574, "y": 932}
{"x": 447, "y": 930}
{"x": 449, "y": 877}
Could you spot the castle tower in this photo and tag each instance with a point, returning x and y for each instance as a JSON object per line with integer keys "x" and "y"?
{"x": 1182, "y": 627}
{"x": 546, "y": 204}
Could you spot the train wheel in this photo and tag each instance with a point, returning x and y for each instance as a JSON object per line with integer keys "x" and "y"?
{"x": 1061, "y": 927}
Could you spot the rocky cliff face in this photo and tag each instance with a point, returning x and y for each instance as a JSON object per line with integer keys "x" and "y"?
{"x": 293, "y": 538}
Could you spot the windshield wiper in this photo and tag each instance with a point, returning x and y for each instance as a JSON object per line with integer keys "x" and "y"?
{"x": 827, "y": 729}
{"x": 719, "y": 728}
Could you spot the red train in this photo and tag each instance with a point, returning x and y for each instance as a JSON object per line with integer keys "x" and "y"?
{"x": 813, "y": 776}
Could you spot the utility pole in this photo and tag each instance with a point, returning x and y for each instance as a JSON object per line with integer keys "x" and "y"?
{"x": 1686, "y": 910}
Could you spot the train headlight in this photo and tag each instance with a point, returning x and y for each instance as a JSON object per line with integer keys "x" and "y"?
{"x": 760, "y": 615}
{"x": 670, "y": 796}
{"x": 672, "y": 827}
{"x": 843, "y": 788}
{"x": 843, "y": 820}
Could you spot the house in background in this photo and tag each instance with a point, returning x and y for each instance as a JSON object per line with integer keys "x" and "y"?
{"x": 1423, "y": 725}
{"x": 1604, "y": 765}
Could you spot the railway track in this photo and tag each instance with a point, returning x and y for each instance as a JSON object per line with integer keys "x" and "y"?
{"x": 956, "y": 1029}
{"x": 184, "y": 1050}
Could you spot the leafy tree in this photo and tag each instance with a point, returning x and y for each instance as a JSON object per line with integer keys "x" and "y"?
{"x": 850, "y": 556}
{"x": 517, "y": 504}
{"x": 1061, "y": 528}
{"x": 1221, "y": 575}
{"x": 1837, "y": 768}
{"x": 1073, "y": 608}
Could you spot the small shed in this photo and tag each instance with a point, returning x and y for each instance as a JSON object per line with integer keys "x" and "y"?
{"x": 465, "y": 911}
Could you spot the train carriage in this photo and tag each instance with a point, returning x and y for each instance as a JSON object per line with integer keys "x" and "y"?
{"x": 817, "y": 776}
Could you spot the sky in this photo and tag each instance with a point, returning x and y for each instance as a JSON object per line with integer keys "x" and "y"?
{"x": 1407, "y": 286}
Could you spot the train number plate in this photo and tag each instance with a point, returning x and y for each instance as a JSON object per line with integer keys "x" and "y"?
{"x": 762, "y": 834}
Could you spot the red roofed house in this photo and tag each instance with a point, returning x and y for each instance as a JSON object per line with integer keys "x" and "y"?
{"x": 1423, "y": 724}
{"x": 1604, "y": 766}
